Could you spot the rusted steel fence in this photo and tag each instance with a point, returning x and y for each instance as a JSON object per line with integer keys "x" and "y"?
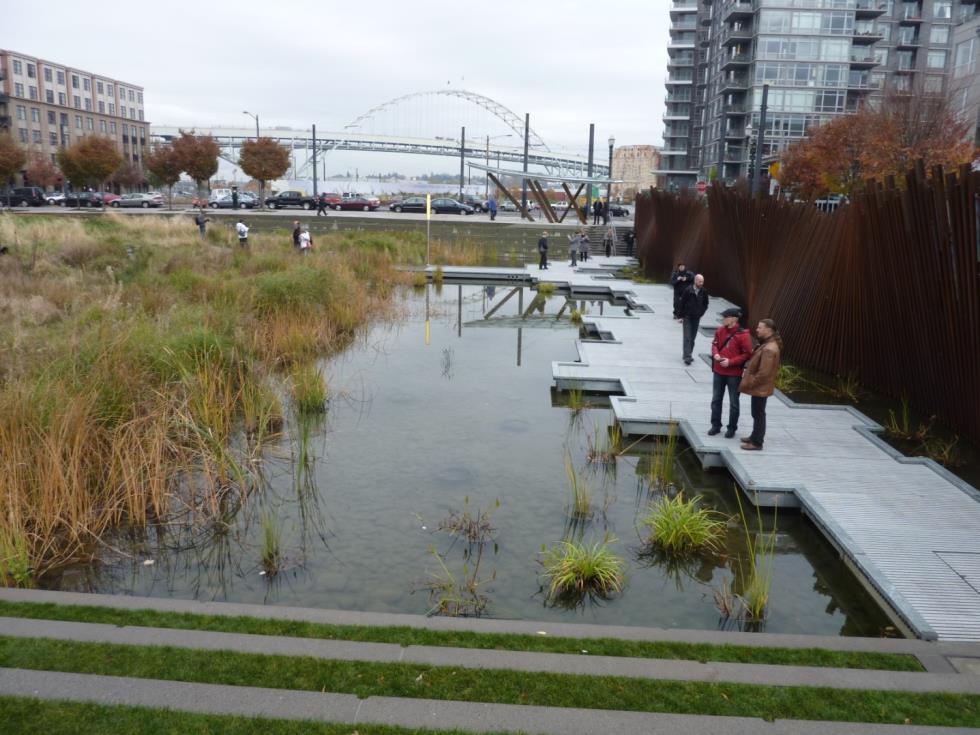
{"x": 886, "y": 288}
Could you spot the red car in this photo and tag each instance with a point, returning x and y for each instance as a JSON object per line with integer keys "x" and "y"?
{"x": 363, "y": 203}
{"x": 108, "y": 197}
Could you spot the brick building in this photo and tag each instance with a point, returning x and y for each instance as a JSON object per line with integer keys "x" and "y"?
{"x": 634, "y": 164}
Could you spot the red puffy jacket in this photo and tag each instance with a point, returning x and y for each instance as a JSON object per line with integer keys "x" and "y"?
{"x": 736, "y": 345}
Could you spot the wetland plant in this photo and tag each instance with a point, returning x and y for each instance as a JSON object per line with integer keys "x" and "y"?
{"x": 942, "y": 450}
{"x": 547, "y": 289}
{"x": 751, "y": 605}
{"x": 309, "y": 389}
{"x": 272, "y": 557}
{"x": 663, "y": 459}
{"x": 419, "y": 279}
{"x": 903, "y": 427}
{"x": 581, "y": 493}
{"x": 457, "y": 597}
{"x": 575, "y": 316}
{"x": 475, "y": 528}
{"x": 847, "y": 388}
{"x": 15, "y": 559}
{"x": 679, "y": 526}
{"x": 605, "y": 444}
{"x": 438, "y": 276}
{"x": 574, "y": 570}
{"x": 789, "y": 378}
{"x": 576, "y": 400}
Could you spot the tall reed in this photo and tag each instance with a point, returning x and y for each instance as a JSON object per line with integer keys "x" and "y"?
{"x": 581, "y": 493}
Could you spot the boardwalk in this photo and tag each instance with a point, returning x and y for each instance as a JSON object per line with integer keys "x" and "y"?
{"x": 909, "y": 529}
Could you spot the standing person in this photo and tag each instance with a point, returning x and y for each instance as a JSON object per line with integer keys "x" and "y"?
{"x": 242, "y": 229}
{"x": 583, "y": 245}
{"x": 305, "y": 242}
{"x": 630, "y": 239}
{"x": 596, "y": 211}
{"x": 730, "y": 350}
{"x": 297, "y": 230}
{"x": 202, "y": 223}
{"x": 694, "y": 302}
{"x": 605, "y": 212}
{"x": 680, "y": 279}
{"x": 543, "y": 251}
{"x": 759, "y": 380}
{"x": 321, "y": 204}
{"x": 573, "y": 249}
{"x": 492, "y": 207}
{"x": 609, "y": 240}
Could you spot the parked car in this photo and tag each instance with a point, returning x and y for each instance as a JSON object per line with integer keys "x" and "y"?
{"x": 618, "y": 210}
{"x": 54, "y": 197}
{"x": 27, "y": 196}
{"x": 450, "y": 206}
{"x": 108, "y": 197}
{"x": 367, "y": 204}
{"x": 138, "y": 199}
{"x": 81, "y": 199}
{"x": 217, "y": 194}
{"x": 227, "y": 202}
{"x": 411, "y": 204}
{"x": 290, "y": 199}
{"x": 478, "y": 205}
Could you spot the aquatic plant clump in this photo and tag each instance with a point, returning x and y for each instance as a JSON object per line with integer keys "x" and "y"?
{"x": 476, "y": 528}
{"x": 309, "y": 390}
{"x": 581, "y": 493}
{"x": 579, "y": 569}
{"x": 682, "y": 526}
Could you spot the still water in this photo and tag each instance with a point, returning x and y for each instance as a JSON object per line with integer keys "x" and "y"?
{"x": 419, "y": 427}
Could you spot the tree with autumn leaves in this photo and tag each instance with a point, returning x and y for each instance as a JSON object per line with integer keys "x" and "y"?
{"x": 12, "y": 158}
{"x": 198, "y": 156}
{"x": 90, "y": 161}
{"x": 164, "y": 165}
{"x": 41, "y": 171}
{"x": 878, "y": 141}
{"x": 264, "y": 160}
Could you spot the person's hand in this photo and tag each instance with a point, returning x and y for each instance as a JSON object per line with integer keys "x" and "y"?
{"x": 717, "y": 358}
{"x": 724, "y": 362}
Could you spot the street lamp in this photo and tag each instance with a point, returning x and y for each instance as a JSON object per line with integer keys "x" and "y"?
{"x": 612, "y": 143}
{"x": 246, "y": 112}
{"x": 486, "y": 193}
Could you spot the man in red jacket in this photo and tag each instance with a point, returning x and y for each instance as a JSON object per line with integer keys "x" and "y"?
{"x": 730, "y": 350}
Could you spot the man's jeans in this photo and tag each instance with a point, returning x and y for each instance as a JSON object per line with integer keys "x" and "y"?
{"x": 718, "y": 386}
{"x": 758, "y": 421}
{"x": 690, "y": 332}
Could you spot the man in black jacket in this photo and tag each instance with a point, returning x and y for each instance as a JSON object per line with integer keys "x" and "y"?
{"x": 680, "y": 279}
{"x": 694, "y": 302}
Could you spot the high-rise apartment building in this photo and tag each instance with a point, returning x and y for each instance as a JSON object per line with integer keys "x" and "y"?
{"x": 820, "y": 59}
{"x": 45, "y": 106}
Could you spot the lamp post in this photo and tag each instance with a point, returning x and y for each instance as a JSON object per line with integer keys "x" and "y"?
{"x": 246, "y": 112}
{"x": 612, "y": 143}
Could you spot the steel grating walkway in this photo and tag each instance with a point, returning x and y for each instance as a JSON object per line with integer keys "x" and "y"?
{"x": 910, "y": 529}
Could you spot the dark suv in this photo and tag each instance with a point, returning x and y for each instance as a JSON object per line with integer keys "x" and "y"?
{"x": 290, "y": 199}
{"x": 27, "y": 196}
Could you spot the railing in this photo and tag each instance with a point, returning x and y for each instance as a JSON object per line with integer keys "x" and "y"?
{"x": 737, "y": 58}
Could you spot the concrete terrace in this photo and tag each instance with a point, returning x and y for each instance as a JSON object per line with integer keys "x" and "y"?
{"x": 909, "y": 528}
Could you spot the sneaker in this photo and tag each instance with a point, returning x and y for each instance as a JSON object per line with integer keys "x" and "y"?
{"x": 729, "y": 434}
{"x": 714, "y": 430}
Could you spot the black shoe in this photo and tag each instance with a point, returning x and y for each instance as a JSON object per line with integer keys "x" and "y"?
{"x": 714, "y": 431}
{"x": 688, "y": 361}
{"x": 730, "y": 433}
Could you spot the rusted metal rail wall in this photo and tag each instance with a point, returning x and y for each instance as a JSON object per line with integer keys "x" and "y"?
{"x": 887, "y": 288}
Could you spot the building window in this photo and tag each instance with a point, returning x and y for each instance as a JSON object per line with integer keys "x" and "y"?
{"x": 939, "y": 34}
{"x": 78, "y": 121}
{"x": 87, "y": 84}
{"x": 88, "y": 104}
{"x": 131, "y": 95}
{"x": 47, "y": 73}
{"x": 18, "y": 89}
{"x": 901, "y": 83}
{"x": 33, "y": 92}
{"x": 112, "y": 127}
{"x": 32, "y": 71}
{"x": 933, "y": 85}
{"x": 139, "y": 97}
{"x": 61, "y": 77}
{"x": 101, "y": 107}
{"x": 74, "y": 81}
{"x": 21, "y": 112}
{"x": 906, "y": 60}
{"x": 77, "y": 102}
{"x": 141, "y": 115}
{"x": 36, "y": 136}
{"x": 99, "y": 87}
{"x": 881, "y": 56}
{"x": 49, "y": 96}
{"x": 965, "y": 61}
{"x": 122, "y": 92}
{"x": 102, "y": 126}
{"x": 936, "y": 60}
{"x": 125, "y": 129}
{"x": 132, "y": 113}
{"x": 112, "y": 108}
{"x": 52, "y": 118}
{"x": 64, "y": 119}
{"x": 110, "y": 90}
{"x": 18, "y": 67}
{"x": 53, "y": 139}
{"x": 22, "y": 134}
{"x": 122, "y": 111}
{"x": 35, "y": 115}
{"x": 942, "y": 9}
{"x": 62, "y": 99}
{"x": 89, "y": 123}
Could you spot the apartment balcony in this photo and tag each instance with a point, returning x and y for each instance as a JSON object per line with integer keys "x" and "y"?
{"x": 676, "y": 82}
{"x": 734, "y": 83}
{"x": 735, "y": 154}
{"x": 870, "y": 9}
{"x": 736, "y": 61}
{"x": 668, "y": 151}
{"x": 735, "y": 109}
{"x": 678, "y": 62}
{"x": 3, "y": 97}
{"x": 736, "y": 133}
{"x": 677, "y": 99}
{"x": 680, "y": 45}
{"x": 736, "y": 36}
{"x": 676, "y": 115}
{"x": 683, "y": 7}
{"x": 4, "y": 122}
{"x": 863, "y": 61}
{"x": 910, "y": 17}
{"x": 866, "y": 37}
{"x": 737, "y": 10}
{"x": 907, "y": 43}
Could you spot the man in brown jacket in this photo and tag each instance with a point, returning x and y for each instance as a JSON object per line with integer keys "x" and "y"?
{"x": 759, "y": 380}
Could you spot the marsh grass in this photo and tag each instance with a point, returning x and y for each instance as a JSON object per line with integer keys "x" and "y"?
{"x": 576, "y": 400}
{"x": 458, "y": 595}
{"x": 789, "y": 378}
{"x": 137, "y": 366}
{"x": 309, "y": 389}
{"x": 271, "y": 555}
{"x": 419, "y": 280}
{"x": 438, "y": 276}
{"x": 474, "y": 527}
{"x": 547, "y": 289}
{"x": 580, "y": 506}
{"x": 753, "y": 574}
{"x": 681, "y": 527}
{"x": 605, "y": 444}
{"x": 575, "y": 316}
{"x": 847, "y": 388}
{"x": 663, "y": 460}
{"x": 575, "y": 570}
{"x": 903, "y": 427}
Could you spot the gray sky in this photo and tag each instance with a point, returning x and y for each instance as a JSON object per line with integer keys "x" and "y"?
{"x": 294, "y": 62}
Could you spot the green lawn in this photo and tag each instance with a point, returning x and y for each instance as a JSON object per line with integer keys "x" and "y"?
{"x": 512, "y": 642}
{"x": 508, "y": 687}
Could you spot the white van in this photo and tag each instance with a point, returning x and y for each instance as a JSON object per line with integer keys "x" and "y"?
{"x": 217, "y": 194}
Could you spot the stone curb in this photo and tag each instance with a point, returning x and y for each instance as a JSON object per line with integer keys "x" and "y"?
{"x": 412, "y": 713}
{"x": 552, "y": 663}
{"x": 486, "y": 625}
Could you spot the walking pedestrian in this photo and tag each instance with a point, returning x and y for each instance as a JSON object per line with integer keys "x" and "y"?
{"x": 694, "y": 302}
{"x": 543, "y": 251}
{"x": 609, "y": 240}
{"x": 297, "y": 230}
{"x": 759, "y": 380}
{"x": 730, "y": 350}
{"x": 680, "y": 279}
{"x": 305, "y": 242}
{"x": 492, "y": 206}
{"x": 583, "y": 245}
{"x": 596, "y": 211}
{"x": 630, "y": 240}
{"x": 573, "y": 249}
{"x": 321, "y": 205}
{"x": 202, "y": 223}
{"x": 242, "y": 229}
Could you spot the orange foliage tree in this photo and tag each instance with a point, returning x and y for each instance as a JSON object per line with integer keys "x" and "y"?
{"x": 265, "y": 160}
{"x": 874, "y": 143}
{"x": 198, "y": 156}
{"x": 129, "y": 175}
{"x": 12, "y": 158}
{"x": 90, "y": 161}
{"x": 41, "y": 171}
{"x": 165, "y": 165}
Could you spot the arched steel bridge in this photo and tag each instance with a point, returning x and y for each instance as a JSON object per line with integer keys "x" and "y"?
{"x": 348, "y": 139}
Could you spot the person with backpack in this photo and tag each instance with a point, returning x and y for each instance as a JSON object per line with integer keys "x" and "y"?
{"x": 242, "y": 229}
{"x": 731, "y": 348}
{"x": 543, "y": 251}
{"x": 296, "y": 233}
{"x": 630, "y": 240}
{"x": 492, "y": 208}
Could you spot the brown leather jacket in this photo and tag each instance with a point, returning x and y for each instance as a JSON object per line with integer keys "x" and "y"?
{"x": 759, "y": 378}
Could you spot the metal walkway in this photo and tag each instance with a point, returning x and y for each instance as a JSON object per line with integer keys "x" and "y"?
{"x": 909, "y": 528}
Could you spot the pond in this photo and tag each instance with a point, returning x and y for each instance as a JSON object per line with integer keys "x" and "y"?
{"x": 424, "y": 421}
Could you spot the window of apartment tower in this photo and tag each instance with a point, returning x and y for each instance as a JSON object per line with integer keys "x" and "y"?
{"x": 33, "y": 92}
{"x": 64, "y": 119}
{"x": 112, "y": 127}
{"x": 141, "y": 115}
{"x": 61, "y": 77}
{"x": 131, "y": 95}
{"x": 74, "y": 81}
{"x": 49, "y": 96}
{"x": 52, "y": 118}
{"x": 53, "y": 139}
{"x": 88, "y": 104}
{"x": 32, "y": 71}
{"x": 110, "y": 90}
{"x": 18, "y": 67}
{"x": 18, "y": 89}
{"x": 21, "y": 112}
{"x": 933, "y": 85}
{"x": 35, "y": 115}
{"x": 77, "y": 102}
{"x": 36, "y": 136}
{"x": 99, "y": 87}
{"x": 132, "y": 113}
{"x": 942, "y": 9}
{"x": 62, "y": 99}
{"x": 939, "y": 34}
{"x": 22, "y": 134}
{"x": 102, "y": 126}
{"x": 87, "y": 84}
{"x": 139, "y": 97}
{"x": 89, "y": 123}
{"x": 47, "y": 74}
{"x": 112, "y": 108}
{"x": 78, "y": 121}
{"x": 936, "y": 60}
{"x": 101, "y": 107}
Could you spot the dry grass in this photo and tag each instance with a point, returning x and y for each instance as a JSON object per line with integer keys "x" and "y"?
{"x": 141, "y": 370}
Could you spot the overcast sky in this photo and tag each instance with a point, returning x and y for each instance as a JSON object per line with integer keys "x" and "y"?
{"x": 294, "y": 62}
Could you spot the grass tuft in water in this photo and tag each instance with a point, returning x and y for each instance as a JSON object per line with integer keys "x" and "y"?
{"x": 15, "y": 559}
{"x": 547, "y": 289}
{"x": 578, "y": 569}
{"x": 419, "y": 279}
{"x": 755, "y": 573}
{"x": 581, "y": 492}
{"x": 662, "y": 461}
{"x": 438, "y": 276}
{"x": 272, "y": 557}
{"x": 309, "y": 389}
{"x": 904, "y": 428}
{"x": 475, "y": 528}
{"x": 576, "y": 400}
{"x": 575, "y": 316}
{"x": 680, "y": 526}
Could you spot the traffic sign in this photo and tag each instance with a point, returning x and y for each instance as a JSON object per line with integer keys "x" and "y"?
{"x": 702, "y": 187}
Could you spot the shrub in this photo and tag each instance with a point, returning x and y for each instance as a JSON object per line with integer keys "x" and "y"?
{"x": 579, "y": 569}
